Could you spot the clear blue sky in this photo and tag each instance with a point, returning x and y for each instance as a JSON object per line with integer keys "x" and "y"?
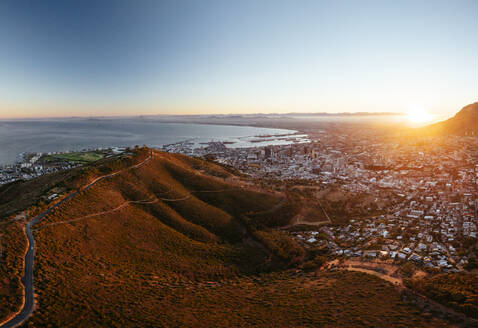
{"x": 62, "y": 58}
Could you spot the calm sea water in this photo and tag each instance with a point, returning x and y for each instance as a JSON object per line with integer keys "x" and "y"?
{"x": 75, "y": 134}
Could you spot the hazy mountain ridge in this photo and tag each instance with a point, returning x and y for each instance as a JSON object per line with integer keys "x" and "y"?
{"x": 465, "y": 122}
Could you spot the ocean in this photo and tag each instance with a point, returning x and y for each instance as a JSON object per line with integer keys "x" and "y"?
{"x": 56, "y": 135}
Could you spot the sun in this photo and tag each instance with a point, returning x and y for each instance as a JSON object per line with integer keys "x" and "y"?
{"x": 418, "y": 114}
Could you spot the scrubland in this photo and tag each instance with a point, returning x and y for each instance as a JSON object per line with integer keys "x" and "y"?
{"x": 180, "y": 242}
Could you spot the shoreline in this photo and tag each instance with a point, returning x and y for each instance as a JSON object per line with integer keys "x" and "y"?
{"x": 135, "y": 133}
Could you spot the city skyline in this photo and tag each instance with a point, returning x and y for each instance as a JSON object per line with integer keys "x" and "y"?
{"x": 120, "y": 58}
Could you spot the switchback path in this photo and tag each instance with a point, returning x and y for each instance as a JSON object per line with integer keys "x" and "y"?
{"x": 123, "y": 205}
{"x": 140, "y": 202}
{"x": 298, "y": 219}
{"x": 27, "y": 279}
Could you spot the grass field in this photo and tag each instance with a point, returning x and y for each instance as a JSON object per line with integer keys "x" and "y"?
{"x": 78, "y": 157}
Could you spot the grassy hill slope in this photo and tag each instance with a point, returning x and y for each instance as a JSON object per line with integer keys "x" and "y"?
{"x": 183, "y": 242}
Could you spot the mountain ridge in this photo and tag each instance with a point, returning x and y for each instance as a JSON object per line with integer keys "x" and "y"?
{"x": 465, "y": 122}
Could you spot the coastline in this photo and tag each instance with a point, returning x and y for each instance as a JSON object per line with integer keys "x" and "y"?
{"x": 64, "y": 136}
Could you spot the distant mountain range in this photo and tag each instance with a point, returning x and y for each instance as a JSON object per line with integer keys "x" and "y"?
{"x": 347, "y": 114}
{"x": 465, "y": 122}
{"x": 274, "y": 115}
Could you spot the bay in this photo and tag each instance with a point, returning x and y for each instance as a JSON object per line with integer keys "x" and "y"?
{"x": 56, "y": 135}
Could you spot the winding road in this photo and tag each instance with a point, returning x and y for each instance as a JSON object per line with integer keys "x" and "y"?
{"x": 27, "y": 279}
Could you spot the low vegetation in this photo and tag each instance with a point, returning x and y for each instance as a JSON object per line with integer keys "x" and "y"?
{"x": 182, "y": 242}
{"x": 22, "y": 195}
{"x": 456, "y": 290}
{"x": 12, "y": 248}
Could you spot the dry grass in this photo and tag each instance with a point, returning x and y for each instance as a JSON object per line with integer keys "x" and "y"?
{"x": 209, "y": 260}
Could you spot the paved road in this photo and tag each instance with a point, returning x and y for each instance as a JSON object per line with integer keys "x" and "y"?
{"x": 27, "y": 278}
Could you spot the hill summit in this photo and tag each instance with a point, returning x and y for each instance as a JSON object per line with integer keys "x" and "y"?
{"x": 465, "y": 122}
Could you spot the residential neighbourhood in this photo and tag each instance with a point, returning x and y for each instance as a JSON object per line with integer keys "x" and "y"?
{"x": 425, "y": 190}
{"x": 32, "y": 165}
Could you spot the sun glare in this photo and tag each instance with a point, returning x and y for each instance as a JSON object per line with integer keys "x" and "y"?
{"x": 418, "y": 114}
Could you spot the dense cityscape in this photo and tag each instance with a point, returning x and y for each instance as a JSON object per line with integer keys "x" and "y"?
{"x": 425, "y": 190}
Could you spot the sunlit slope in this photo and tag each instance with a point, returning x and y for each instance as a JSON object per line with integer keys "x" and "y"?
{"x": 465, "y": 122}
{"x": 182, "y": 207}
{"x": 156, "y": 226}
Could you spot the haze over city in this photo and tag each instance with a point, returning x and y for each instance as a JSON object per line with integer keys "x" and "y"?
{"x": 110, "y": 58}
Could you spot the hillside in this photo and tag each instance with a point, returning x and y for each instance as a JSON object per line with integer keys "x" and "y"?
{"x": 183, "y": 242}
{"x": 465, "y": 122}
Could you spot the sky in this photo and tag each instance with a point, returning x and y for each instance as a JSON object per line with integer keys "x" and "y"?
{"x": 83, "y": 58}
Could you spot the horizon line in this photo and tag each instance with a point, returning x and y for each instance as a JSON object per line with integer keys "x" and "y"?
{"x": 206, "y": 115}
